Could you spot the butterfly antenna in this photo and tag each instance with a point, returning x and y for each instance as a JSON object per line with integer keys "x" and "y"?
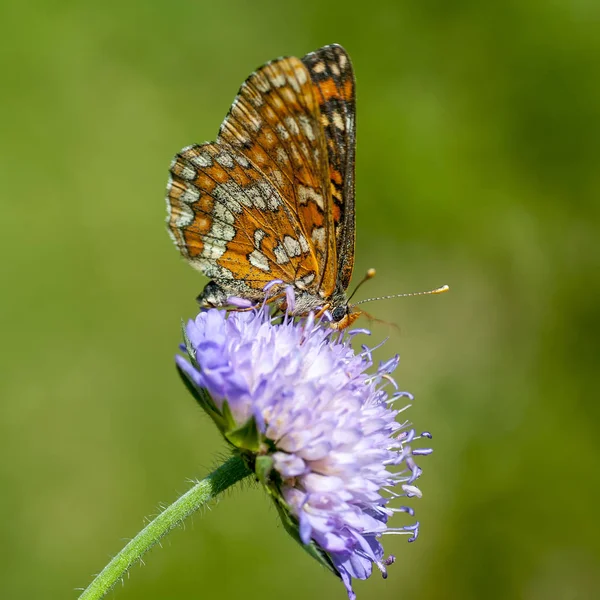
{"x": 368, "y": 275}
{"x": 439, "y": 290}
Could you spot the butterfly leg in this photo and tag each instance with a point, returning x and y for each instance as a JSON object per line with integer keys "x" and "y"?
{"x": 322, "y": 311}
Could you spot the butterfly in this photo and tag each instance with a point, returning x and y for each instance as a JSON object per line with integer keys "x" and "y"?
{"x": 273, "y": 197}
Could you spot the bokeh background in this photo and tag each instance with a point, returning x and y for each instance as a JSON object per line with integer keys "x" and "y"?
{"x": 477, "y": 166}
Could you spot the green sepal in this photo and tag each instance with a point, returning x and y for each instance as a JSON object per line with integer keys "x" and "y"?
{"x": 292, "y": 527}
{"x": 230, "y": 423}
{"x": 263, "y": 465}
{"x": 186, "y": 342}
{"x": 204, "y": 400}
{"x": 246, "y": 437}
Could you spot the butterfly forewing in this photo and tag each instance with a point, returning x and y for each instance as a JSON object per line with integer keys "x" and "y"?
{"x": 275, "y": 123}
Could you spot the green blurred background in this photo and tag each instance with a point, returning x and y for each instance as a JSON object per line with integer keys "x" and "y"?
{"x": 477, "y": 166}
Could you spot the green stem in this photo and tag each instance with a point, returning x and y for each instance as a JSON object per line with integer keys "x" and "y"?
{"x": 218, "y": 481}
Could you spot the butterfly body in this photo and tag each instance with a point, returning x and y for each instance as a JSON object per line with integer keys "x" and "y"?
{"x": 273, "y": 197}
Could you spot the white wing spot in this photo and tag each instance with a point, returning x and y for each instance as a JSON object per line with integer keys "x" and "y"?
{"x": 256, "y": 199}
{"x": 280, "y": 255}
{"x": 291, "y": 125}
{"x": 261, "y": 82}
{"x": 228, "y": 193}
{"x": 273, "y": 201}
{"x": 224, "y": 232}
{"x": 254, "y": 122}
{"x": 307, "y": 194}
{"x": 318, "y": 236}
{"x": 301, "y": 75}
{"x": 221, "y": 232}
{"x": 282, "y": 157}
{"x": 212, "y": 270}
{"x": 307, "y": 127}
{"x": 259, "y": 260}
{"x": 278, "y": 80}
{"x": 241, "y": 160}
{"x": 304, "y": 147}
{"x": 288, "y": 94}
{"x": 262, "y": 196}
{"x": 282, "y": 132}
{"x": 223, "y": 213}
{"x": 186, "y": 172}
{"x": 225, "y": 160}
{"x": 337, "y": 120}
{"x": 295, "y": 84}
{"x": 303, "y": 243}
{"x": 292, "y": 246}
{"x": 190, "y": 195}
{"x": 259, "y": 235}
{"x": 213, "y": 249}
{"x": 335, "y": 70}
{"x": 184, "y": 216}
{"x": 318, "y": 67}
{"x": 202, "y": 160}
{"x": 278, "y": 180}
{"x": 255, "y": 98}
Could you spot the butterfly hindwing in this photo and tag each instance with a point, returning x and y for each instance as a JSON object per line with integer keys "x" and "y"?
{"x": 230, "y": 223}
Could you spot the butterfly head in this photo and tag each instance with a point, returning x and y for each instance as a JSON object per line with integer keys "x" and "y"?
{"x": 343, "y": 316}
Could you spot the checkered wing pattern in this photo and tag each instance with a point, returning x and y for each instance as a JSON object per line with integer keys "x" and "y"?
{"x": 333, "y": 78}
{"x": 273, "y": 196}
{"x": 232, "y": 224}
{"x": 274, "y": 122}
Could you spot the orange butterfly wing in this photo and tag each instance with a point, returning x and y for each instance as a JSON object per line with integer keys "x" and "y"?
{"x": 275, "y": 123}
{"x": 230, "y": 223}
{"x": 273, "y": 197}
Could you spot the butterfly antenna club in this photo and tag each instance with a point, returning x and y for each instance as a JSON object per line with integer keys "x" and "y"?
{"x": 368, "y": 275}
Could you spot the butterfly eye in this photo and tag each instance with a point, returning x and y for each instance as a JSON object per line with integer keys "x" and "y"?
{"x": 338, "y": 313}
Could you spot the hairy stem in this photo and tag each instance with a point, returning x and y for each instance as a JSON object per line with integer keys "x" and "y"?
{"x": 218, "y": 481}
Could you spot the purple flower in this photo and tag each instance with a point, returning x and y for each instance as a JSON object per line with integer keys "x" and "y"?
{"x": 297, "y": 403}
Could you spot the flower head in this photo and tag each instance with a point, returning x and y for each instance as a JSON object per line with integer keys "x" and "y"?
{"x": 296, "y": 401}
